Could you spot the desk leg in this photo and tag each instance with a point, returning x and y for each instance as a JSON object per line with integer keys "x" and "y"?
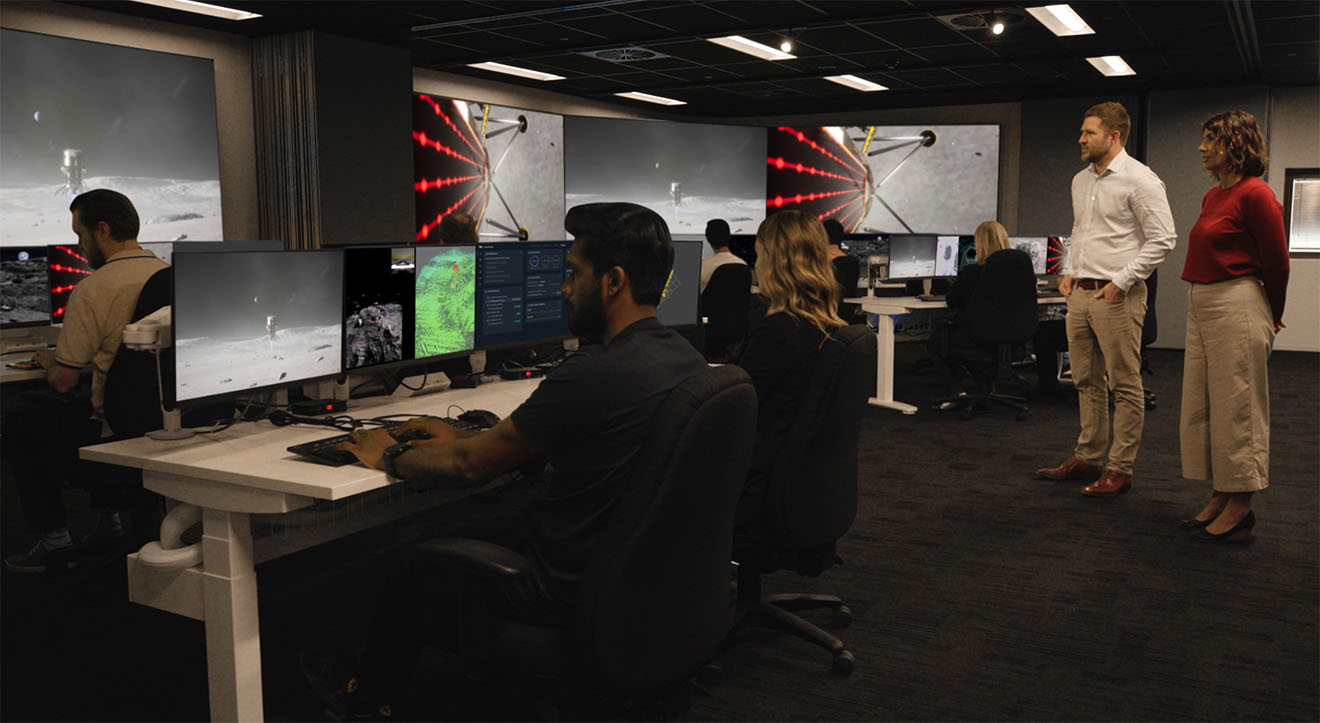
{"x": 884, "y": 367}
{"x": 233, "y": 641}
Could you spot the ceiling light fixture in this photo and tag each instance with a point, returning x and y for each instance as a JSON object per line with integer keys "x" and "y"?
{"x": 1061, "y": 20}
{"x": 647, "y": 97}
{"x": 855, "y": 83}
{"x": 515, "y": 70}
{"x": 997, "y": 25}
{"x": 1111, "y": 65}
{"x": 751, "y": 47}
{"x": 786, "y": 46}
{"x": 191, "y": 6}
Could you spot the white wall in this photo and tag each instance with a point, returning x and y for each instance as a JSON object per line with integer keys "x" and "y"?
{"x": 233, "y": 86}
{"x": 1294, "y": 141}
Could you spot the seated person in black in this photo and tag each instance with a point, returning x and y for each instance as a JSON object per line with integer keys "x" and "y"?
{"x": 588, "y": 418}
{"x": 846, "y": 269}
{"x": 991, "y": 237}
{"x": 792, "y": 261}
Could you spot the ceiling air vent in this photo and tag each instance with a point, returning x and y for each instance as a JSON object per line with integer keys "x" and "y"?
{"x": 969, "y": 21}
{"x": 624, "y": 55}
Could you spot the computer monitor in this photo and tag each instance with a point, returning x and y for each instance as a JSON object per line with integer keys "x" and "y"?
{"x": 24, "y": 287}
{"x": 678, "y": 305}
{"x": 966, "y": 251}
{"x": 743, "y": 245}
{"x": 67, "y": 267}
{"x": 946, "y": 256}
{"x": 911, "y": 256}
{"x": 1056, "y": 258}
{"x": 248, "y": 320}
{"x": 379, "y": 305}
{"x": 864, "y": 246}
{"x": 1037, "y": 247}
{"x": 519, "y": 294}
{"x": 444, "y": 299}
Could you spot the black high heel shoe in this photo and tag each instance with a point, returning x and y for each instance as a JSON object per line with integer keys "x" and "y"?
{"x": 1240, "y": 532}
{"x": 1194, "y": 524}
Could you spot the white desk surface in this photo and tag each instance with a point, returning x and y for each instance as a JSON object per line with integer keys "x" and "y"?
{"x": 8, "y": 375}
{"x": 903, "y": 304}
{"x": 255, "y": 454}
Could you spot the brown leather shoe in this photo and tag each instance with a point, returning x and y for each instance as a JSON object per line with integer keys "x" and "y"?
{"x": 1072, "y": 469}
{"x": 1110, "y": 484}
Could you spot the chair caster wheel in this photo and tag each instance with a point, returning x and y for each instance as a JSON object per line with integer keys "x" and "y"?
{"x": 842, "y": 617}
{"x": 1022, "y": 416}
{"x": 710, "y": 674}
{"x": 843, "y": 664}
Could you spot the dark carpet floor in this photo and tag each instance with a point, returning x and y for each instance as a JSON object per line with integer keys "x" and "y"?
{"x": 978, "y": 592}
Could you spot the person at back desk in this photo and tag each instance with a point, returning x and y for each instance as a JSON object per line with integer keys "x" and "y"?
{"x": 846, "y": 269}
{"x": 801, "y": 294}
{"x": 589, "y": 417}
{"x": 954, "y": 334}
{"x": 717, "y": 235}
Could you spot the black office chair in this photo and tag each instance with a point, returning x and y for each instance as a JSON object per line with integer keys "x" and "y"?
{"x": 724, "y": 303}
{"x": 132, "y": 396}
{"x": 1150, "y": 331}
{"x": 1000, "y": 315}
{"x": 810, "y": 497}
{"x": 847, "y": 270}
{"x": 655, "y": 603}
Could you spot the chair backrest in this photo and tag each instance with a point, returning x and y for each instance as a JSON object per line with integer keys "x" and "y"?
{"x": 846, "y": 272}
{"x": 132, "y": 397}
{"x": 811, "y": 495}
{"x": 1003, "y": 307}
{"x": 724, "y": 302}
{"x": 654, "y": 605}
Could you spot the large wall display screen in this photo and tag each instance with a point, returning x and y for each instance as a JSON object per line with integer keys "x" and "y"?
{"x": 688, "y": 173}
{"x": 887, "y": 179}
{"x": 77, "y": 115}
{"x": 504, "y": 167}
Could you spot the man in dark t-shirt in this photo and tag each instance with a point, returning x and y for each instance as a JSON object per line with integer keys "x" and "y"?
{"x": 846, "y": 269}
{"x": 588, "y": 418}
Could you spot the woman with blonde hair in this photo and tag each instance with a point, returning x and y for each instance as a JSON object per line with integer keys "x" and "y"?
{"x": 991, "y": 237}
{"x": 797, "y": 284}
{"x": 1237, "y": 273}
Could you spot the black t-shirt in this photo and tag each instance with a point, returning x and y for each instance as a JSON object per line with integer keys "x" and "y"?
{"x": 961, "y": 291}
{"x": 592, "y": 415}
{"x": 846, "y": 272}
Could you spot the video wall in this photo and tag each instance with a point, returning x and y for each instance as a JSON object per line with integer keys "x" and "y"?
{"x": 77, "y": 115}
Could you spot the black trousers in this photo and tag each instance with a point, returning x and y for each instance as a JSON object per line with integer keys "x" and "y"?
{"x": 945, "y": 341}
{"x": 42, "y": 436}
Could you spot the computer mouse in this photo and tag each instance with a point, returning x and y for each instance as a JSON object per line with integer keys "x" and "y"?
{"x": 414, "y": 433}
{"x": 480, "y": 418}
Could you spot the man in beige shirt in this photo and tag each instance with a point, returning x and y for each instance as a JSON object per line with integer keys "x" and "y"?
{"x": 99, "y": 308}
{"x": 1122, "y": 230}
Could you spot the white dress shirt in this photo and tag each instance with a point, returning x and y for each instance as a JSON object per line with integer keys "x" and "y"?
{"x": 1122, "y": 226}
{"x": 714, "y": 261}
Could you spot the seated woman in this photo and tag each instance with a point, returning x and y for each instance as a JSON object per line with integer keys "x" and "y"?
{"x": 954, "y": 334}
{"x": 801, "y": 300}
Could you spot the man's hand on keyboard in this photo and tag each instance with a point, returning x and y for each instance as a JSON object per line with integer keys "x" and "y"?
{"x": 437, "y": 431}
{"x": 368, "y": 446}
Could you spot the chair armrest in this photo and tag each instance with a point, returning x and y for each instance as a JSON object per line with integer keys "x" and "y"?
{"x": 475, "y": 557}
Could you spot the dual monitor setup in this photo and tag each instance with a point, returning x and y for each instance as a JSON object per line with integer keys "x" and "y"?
{"x": 907, "y": 257}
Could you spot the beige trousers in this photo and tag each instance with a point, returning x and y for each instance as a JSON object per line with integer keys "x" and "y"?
{"x": 1104, "y": 346}
{"x": 1225, "y": 421}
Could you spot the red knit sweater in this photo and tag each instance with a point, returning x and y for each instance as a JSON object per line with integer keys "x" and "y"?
{"x": 1240, "y": 233}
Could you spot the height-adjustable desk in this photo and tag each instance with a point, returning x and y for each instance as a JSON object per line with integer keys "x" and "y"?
{"x": 886, "y": 308}
{"x": 246, "y": 470}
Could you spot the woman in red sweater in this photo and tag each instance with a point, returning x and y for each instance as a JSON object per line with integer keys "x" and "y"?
{"x": 1237, "y": 269}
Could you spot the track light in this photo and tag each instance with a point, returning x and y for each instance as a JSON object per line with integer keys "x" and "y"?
{"x": 786, "y": 46}
{"x": 997, "y": 25}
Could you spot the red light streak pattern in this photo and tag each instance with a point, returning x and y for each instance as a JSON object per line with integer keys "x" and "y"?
{"x": 69, "y": 269}
{"x": 463, "y": 137}
{"x": 427, "y": 227}
{"x": 779, "y": 201}
{"x": 62, "y": 289}
{"x": 832, "y": 211}
{"x": 780, "y": 164}
{"x": 425, "y": 185}
{"x": 437, "y": 145}
{"x": 851, "y": 165}
{"x": 59, "y": 311}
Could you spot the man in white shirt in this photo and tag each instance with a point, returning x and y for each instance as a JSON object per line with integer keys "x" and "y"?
{"x": 1122, "y": 230}
{"x": 717, "y": 235}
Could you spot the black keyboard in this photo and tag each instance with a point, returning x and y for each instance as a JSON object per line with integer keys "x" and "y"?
{"x": 930, "y": 297}
{"x": 324, "y": 452}
{"x": 1049, "y": 294}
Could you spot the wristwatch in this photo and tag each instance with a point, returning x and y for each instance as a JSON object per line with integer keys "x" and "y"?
{"x": 390, "y": 454}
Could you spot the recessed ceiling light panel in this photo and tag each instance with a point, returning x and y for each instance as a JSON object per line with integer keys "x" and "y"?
{"x": 191, "y": 6}
{"x": 1111, "y": 65}
{"x": 1061, "y": 20}
{"x": 515, "y": 70}
{"x": 751, "y": 47}
{"x": 647, "y": 97}
{"x": 855, "y": 83}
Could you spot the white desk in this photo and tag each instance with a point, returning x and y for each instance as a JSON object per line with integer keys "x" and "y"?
{"x": 246, "y": 470}
{"x": 886, "y": 308}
